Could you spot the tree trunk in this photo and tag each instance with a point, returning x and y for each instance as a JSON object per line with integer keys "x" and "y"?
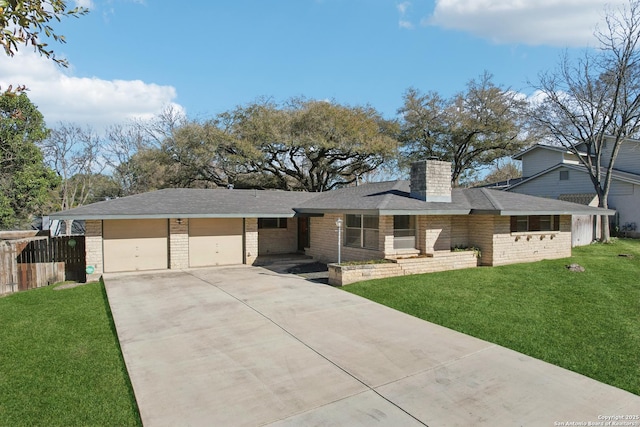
{"x": 605, "y": 232}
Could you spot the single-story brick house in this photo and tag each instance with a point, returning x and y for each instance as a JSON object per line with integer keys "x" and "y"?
{"x": 420, "y": 218}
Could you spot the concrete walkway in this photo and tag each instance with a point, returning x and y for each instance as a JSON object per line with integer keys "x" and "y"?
{"x": 245, "y": 346}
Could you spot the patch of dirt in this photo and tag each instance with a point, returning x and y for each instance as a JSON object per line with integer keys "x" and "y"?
{"x": 68, "y": 286}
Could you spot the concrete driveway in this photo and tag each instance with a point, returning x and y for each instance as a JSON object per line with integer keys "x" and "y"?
{"x": 245, "y": 346}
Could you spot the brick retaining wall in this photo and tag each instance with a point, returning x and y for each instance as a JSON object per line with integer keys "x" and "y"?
{"x": 340, "y": 275}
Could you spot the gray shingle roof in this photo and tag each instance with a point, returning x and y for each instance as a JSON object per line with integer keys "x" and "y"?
{"x": 580, "y": 198}
{"x": 385, "y": 198}
{"x": 506, "y": 203}
{"x": 192, "y": 203}
{"x": 392, "y": 198}
{"x": 382, "y": 198}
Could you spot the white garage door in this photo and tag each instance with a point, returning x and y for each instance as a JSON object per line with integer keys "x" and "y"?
{"x": 135, "y": 244}
{"x": 215, "y": 241}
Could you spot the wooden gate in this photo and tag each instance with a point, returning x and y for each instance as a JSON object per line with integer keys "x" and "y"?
{"x": 41, "y": 261}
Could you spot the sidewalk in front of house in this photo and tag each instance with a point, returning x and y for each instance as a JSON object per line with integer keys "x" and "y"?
{"x": 245, "y": 346}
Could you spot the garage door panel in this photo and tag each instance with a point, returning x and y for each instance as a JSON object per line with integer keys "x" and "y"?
{"x": 215, "y": 241}
{"x": 215, "y": 227}
{"x": 131, "y": 245}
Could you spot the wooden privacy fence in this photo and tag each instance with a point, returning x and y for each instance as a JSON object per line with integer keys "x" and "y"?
{"x": 41, "y": 261}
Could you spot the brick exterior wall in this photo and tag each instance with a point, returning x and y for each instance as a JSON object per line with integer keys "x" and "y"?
{"x": 385, "y": 235}
{"x": 93, "y": 247}
{"x": 435, "y": 235}
{"x": 340, "y": 275}
{"x": 323, "y": 244}
{"x": 460, "y": 230}
{"x": 511, "y": 248}
{"x": 250, "y": 240}
{"x": 273, "y": 241}
{"x": 431, "y": 181}
{"x": 480, "y": 232}
{"x": 178, "y": 244}
{"x": 436, "y": 232}
{"x": 499, "y": 246}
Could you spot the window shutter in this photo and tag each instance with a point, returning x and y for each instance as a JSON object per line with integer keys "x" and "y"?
{"x": 556, "y": 223}
{"x": 514, "y": 224}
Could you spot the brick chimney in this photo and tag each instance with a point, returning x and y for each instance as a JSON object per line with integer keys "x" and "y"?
{"x": 431, "y": 181}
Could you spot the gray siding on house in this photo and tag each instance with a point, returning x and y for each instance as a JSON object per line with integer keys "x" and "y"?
{"x": 628, "y": 159}
{"x": 539, "y": 160}
{"x": 627, "y": 206}
{"x": 549, "y": 185}
{"x": 624, "y": 197}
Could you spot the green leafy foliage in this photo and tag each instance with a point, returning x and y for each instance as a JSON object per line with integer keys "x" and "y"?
{"x": 312, "y": 145}
{"x": 471, "y": 129}
{"x": 26, "y": 182}
{"x": 24, "y": 22}
{"x": 302, "y": 145}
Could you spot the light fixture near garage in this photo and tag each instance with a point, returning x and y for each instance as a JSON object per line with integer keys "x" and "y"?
{"x": 179, "y": 221}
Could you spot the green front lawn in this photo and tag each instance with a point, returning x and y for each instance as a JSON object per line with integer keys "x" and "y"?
{"x": 587, "y": 322}
{"x": 60, "y": 361}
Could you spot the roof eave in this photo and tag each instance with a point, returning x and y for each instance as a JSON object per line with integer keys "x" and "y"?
{"x": 63, "y": 216}
{"x": 425, "y": 212}
{"x": 596, "y": 211}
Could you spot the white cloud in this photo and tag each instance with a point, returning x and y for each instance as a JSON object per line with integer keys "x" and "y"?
{"x": 405, "y": 24}
{"x": 84, "y": 3}
{"x": 92, "y": 101}
{"x": 402, "y": 7}
{"x": 402, "y": 10}
{"x": 550, "y": 22}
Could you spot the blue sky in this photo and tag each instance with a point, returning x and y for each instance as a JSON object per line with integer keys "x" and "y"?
{"x": 130, "y": 58}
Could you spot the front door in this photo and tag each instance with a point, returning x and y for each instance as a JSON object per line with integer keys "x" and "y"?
{"x": 303, "y": 233}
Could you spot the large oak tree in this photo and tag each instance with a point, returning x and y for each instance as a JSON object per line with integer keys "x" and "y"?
{"x": 311, "y": 145}
{"x": 471, "y": 129}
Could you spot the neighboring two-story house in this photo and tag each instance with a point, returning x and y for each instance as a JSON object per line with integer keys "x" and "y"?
{"x": 555, "y": 172}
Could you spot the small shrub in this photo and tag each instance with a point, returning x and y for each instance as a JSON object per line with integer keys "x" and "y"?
{"x": 462, "y": 248}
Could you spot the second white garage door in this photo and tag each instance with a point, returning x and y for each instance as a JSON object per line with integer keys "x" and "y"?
{"x": 215, "y": 241}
